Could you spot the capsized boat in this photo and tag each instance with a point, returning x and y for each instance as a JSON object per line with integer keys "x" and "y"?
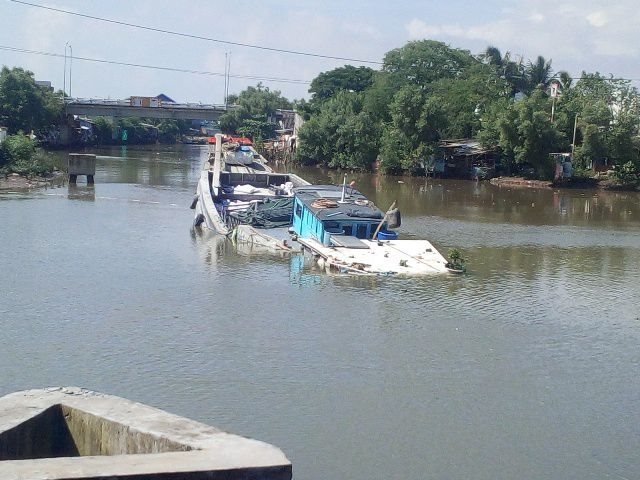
{"x": 347, "y": 233}
{"x": 239, "y": 195}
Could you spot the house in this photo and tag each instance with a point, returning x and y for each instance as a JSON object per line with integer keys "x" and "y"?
{"x": 164, "y": 98}
{"x": 45, "y": 84}
{"x": 463, "y": 158}
{"x": 288, "y": 123}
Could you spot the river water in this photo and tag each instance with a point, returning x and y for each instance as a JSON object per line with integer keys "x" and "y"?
{"x": 524, "y": 368}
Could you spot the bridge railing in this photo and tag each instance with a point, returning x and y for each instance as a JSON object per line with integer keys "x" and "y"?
{"x": 127, "y": 103}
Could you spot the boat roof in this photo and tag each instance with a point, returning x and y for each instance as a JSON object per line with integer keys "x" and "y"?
{"x": 325, "y": 202}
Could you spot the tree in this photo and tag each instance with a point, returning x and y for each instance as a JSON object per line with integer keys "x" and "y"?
{"x": 535, "y": 75}
{"x": 565, "y": 79}
{"x": 378, "y": 96}
{"x": 103, "y": 130}
{"x": 605, "y": 112}
{"x": 510, "y": 71}
{"x": 20, "y": 154}
{"x": 538, "y": 74}
{"x": 349, "y": 78}
{"x": 255, "y": 103}
{"x": 524, "y": 133}
{"x": 493, "y": 56}
{"x": 258, "y": 130}
{"x": 414, "y": 130}
{"x": 24, "y": 105}
{"x": 17, "y": 148}
{"x": 422, "y": 62}
{"x": 169, "y": 130}
{"x": 341, "y": 135}
{"x": 463, "y": 99}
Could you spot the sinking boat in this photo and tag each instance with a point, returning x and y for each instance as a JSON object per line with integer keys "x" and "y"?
{"x": 347, "y": 233}
{"x": 240, "y": 196}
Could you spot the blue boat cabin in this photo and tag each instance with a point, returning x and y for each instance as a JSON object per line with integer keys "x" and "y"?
{"x": 325, "y": 211}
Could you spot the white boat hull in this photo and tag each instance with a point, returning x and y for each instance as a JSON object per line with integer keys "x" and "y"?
{"x": 206, "y": 213}
{"x": 389, "y": 257}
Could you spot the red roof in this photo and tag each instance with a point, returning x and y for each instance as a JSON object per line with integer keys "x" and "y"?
{"x": 231, "y": 138}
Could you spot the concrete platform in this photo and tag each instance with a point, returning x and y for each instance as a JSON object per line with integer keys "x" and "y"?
{"x": 73, "y": 433}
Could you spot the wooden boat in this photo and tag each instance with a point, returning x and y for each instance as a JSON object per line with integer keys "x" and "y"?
{"x": 239, "y": 195}
{"x": 347, "y": 233}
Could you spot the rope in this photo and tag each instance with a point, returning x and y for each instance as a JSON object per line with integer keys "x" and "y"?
{"x": 324, "y": 203}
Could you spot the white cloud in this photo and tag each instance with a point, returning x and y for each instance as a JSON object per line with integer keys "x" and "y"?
{"x": 576, "y": 35}
{"x": 537, "y": 17}
{"x": 598, "y": 19}
{"x": 493, "y": 32}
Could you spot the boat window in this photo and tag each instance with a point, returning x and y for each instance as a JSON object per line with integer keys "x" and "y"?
{"x": 361, "y": 231}
{"x": 347, "y": 229}
{"x": 298, "y": 210}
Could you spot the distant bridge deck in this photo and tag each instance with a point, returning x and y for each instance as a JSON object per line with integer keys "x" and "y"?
{"x": 123, "y": 108}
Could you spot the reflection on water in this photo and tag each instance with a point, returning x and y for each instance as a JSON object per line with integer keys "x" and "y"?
{"x": 525, "y": 367}
{"x": 428, "y": 200}
{"x": 81, "y": 192}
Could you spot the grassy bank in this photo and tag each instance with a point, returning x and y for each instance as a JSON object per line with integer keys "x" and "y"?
{"x": 21, "y": 155}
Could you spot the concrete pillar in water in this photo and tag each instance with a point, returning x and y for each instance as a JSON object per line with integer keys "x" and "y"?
{"x": 81, "y": 164}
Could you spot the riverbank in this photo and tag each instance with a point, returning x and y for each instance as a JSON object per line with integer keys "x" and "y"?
{"x": 520, "y": 182}
{"x": 15, "y": 181}
{"x": 604, "y": 184}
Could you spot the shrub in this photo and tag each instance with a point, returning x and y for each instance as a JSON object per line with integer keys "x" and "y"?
{"x": 19, "y": 154}
{"x": 18, "y": 147}
{"x": 627, "y": 174}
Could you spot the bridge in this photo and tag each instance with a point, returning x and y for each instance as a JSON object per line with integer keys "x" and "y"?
{"x": 124, "y": 108}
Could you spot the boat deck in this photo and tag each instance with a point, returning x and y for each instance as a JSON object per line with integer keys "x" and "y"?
{"x": 390, "y": 257}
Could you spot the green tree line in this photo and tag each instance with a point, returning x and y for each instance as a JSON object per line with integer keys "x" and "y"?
{"x": 395, "y": 118}
{"x": 26, "y": 107}
{"x": 427, "y": 91}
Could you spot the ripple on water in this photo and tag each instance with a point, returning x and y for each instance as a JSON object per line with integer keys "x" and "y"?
{"x": 529, "y": 359}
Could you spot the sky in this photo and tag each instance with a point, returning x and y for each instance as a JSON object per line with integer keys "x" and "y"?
{"x": 195, "y": 50}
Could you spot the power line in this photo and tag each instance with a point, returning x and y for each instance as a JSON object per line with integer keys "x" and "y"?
{"x": 155, "y": 67}
{"x": 197, "y": 37}
{"x": 216, "y": 74}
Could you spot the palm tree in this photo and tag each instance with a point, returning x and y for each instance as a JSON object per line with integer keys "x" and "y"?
{"x": 538, "y": 74}
{"x": 565, "y": 79}
{"x": 492, "y": 56}
{"x": 511, "y": 71}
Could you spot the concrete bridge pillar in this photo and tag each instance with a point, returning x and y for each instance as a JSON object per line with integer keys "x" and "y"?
{"x": 81, "y": 164}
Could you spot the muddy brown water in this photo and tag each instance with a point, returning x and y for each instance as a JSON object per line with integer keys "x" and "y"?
{"x": 526, "y": 367}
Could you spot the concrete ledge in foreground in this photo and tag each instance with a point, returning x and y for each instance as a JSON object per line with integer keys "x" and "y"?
{"x": 72, "y": 433}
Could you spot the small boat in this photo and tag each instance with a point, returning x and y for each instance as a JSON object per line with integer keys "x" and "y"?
{"x": 240, "y": 196}
{"x": 347, "y": 233}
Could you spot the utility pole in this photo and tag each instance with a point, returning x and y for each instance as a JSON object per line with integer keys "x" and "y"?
{"x": 227, "y": 70}
{"x": 64, "y": 80}
{"x": 573, "y": 145}
{"x": 554, "y": 92}
{"x": 70, "y": 63}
